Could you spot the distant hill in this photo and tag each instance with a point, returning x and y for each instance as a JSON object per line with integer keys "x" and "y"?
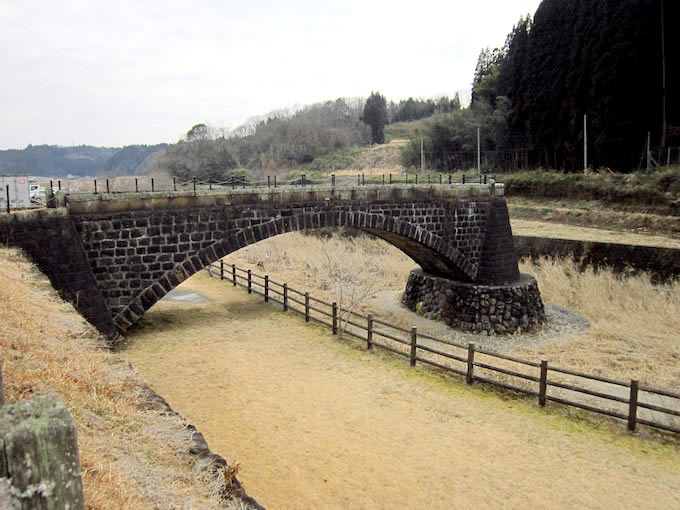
{"x": 56, "y": 161}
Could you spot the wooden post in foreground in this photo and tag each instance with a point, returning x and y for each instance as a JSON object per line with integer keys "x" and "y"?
{"x": 39, "y": 456}
{"x": 469, "y": 376}
{"x": 335, "y": 318}
{"x": 369, "y": 332}
{"x": 414, "y": 343}
{"x": 543, "y": 384}
{"x": 633, "y": 404}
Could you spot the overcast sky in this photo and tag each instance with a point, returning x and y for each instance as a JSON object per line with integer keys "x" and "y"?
{"x": 113, "y": 73}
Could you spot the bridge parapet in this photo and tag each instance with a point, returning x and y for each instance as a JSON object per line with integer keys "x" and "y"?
{"x": 94, "y": 203}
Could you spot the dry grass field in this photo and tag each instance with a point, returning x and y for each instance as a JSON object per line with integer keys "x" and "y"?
{"x": 317, "y": 423}
{"x": 633, "y": 324}
{"x": 130, "y": 457}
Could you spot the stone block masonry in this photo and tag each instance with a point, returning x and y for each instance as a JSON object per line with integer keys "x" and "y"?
{"x": 115, "y": 256}
{"x": 485, "y": 309}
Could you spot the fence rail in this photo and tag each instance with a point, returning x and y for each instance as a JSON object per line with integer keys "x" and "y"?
{"x": 589, "y": 392}
{"x": 153, "y": 184}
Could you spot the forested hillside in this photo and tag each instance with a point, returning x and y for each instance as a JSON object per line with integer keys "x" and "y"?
{"x": 600, "y": 58}
{"x": 55, "y": 161}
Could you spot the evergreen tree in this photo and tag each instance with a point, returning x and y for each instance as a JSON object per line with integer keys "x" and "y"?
{"x": 375, "y": 115}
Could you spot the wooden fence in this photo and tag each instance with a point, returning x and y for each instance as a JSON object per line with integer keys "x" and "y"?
{"x": 629, "y": 401}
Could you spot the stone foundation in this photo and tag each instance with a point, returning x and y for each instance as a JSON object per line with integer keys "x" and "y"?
{"x": 484, "y": 309}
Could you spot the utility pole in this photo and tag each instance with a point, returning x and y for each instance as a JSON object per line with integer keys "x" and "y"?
{"x": 479, "y": 155}
{"x": 663, "y": 78}
{"x": 585, "y": 142}
{"x": 422, "y": 157}
{"x": 649, "y": 151}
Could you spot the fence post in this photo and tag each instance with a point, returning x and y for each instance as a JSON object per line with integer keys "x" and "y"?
{"x": 285, "y": 297}
{"x": 462, "y": 179}
{"x": 449, "y": 178}
{"x": 383, "y": 179}
{"x": 543, "y": 384}
{"x": 416, "y": 178}
{"x": 269, "y": 181}
{"x": 250, "y": 281}
{"x": 633, "y": 404}
{"x": 107, "y": 186}
{"x": 390, "y": 179}
{"x": 306, "y": 306}
{"x": 333, "y": 180}
{"x": 136, "y": 185}
{"x": 369, "y": 332}
{"x": 221, "y": 269}
{"x": 358, "y": 180}
{"x": 193, "y": 179}
{"x": 7, "y": 191}
{"x": 95, "y": 186}
{"x": 469, "y": 376}
{"x": 414, "y": 343}
{"x": 233, "y": 273}
{"x": 266, "y": 288}
{"x": 363, "y": 180}
{"x": 59, "y": 184}
{"x": 275, "y": 181}
{"x": 174, "y": 184}
{"x": 335, "y": 318}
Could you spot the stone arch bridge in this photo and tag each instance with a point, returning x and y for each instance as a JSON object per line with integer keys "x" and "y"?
{"x": 115, "y": 256}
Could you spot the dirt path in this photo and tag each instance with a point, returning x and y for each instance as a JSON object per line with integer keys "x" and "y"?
{"x": 319, "y": 424}
{"x": 562, "y": 231}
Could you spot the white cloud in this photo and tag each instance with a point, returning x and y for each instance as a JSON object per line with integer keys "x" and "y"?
{"x": 114, "y": 73}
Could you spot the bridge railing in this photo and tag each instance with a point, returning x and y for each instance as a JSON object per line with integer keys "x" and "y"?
{"x": 626, "y": 400}
{"x": 128, "y": 184}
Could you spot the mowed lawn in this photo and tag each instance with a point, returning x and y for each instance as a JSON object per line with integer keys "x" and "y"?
{"x": 315, "y": 422}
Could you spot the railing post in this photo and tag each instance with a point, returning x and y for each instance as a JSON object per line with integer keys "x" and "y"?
{"x": 233, "y": 273}
{"x": 543, "y": 384}
{"x": 306, "y": 306}
{"x": 174, "y": 184}
{"x": 390, "y": 179}
{"x": 406, "y": 178}
{"x": 59, "y": 184}
{"x": 383, "y": 179}
{"x": 136, "y": 185}
{"x": 363, "y": 180}
{"x": 469, "y": 376}
{"x": 633, "y": 404}
{"x": 358, "y": 180}
{"x": 95, "y": 186}
{"x": 250, "y": 282}
{"x": 335, "y": 318}
{"x": 416, "y": 178}
{"x": 484, "y": 178}
{"x": 193, "y": 179}
{"x": 369, "y": 332}
{"x": 285, "y": 297}
{"x": 462, "y": 179}
{"x": 7, "y": 191}
{"x": 414, "y": 344}
{"x": 275, "y": 181}
{"x": 333, "y": 180}
{"x": 153, "y": 188}
{"x": 266, "y": 288}
{"x": 449, "y": 178}
{"x": 269, "y": 181}
{"x": 210, "y": 184}
{"x": 221, "y": 269}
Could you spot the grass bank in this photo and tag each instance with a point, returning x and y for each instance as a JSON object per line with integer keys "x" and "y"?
{"x": 657, "y": 192}
{"x": 132, "y": 455}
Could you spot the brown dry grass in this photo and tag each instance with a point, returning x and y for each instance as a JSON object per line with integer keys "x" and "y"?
{"x": 634, "y": 324}
{"x": 593, "y": 214}
{"x": 379, "y": 159}
{"x": 130, "y": 458}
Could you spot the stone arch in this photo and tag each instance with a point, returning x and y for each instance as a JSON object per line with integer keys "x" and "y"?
{"x": 427, "y": 249}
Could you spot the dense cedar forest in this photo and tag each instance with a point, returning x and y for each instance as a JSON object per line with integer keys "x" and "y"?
{"x": 601, "y": 58}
